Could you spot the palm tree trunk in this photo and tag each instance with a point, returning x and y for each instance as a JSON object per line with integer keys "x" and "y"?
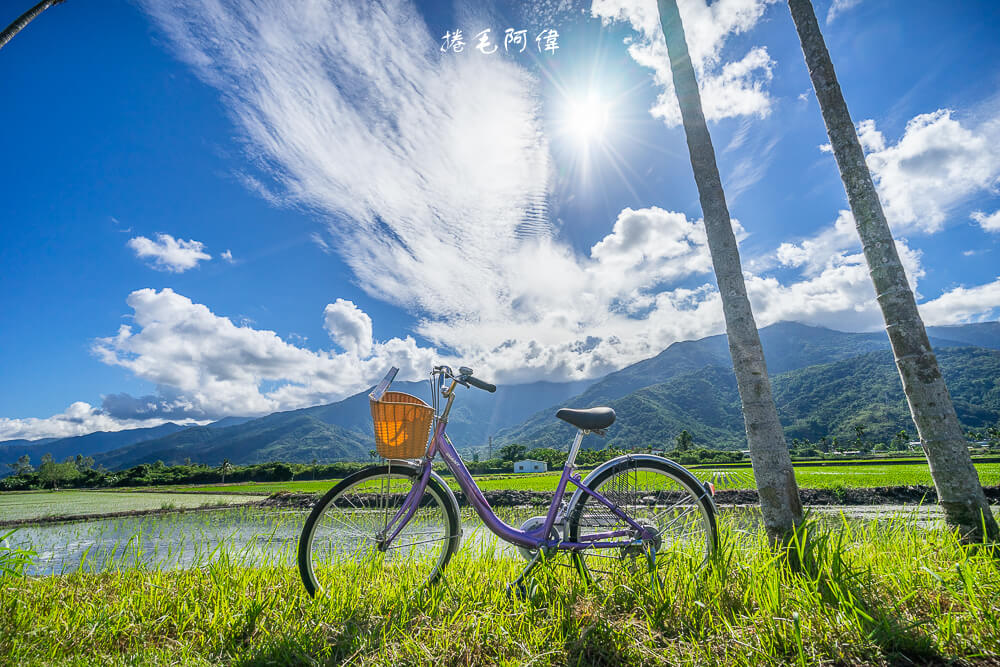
{"x": 24, "y": 19}
{"x": 772, "y": 465}
{"x": 955, "y": 478}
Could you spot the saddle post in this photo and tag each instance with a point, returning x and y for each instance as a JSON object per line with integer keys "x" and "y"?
{"x": 575, "y": 448}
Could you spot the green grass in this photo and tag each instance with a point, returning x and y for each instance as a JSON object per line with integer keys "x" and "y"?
{"x": 809, "y": 477}
{"x": 869, "y": 593}
{"x": 840, "y": 477}
{"x": 21, "y": 505}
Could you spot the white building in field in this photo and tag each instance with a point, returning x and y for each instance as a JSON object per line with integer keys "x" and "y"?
{"x": 530, "y": 465}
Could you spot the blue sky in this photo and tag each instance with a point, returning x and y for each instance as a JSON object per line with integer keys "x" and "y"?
{"x": 219, "y": 209}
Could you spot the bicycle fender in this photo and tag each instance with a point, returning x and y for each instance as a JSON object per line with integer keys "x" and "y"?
{"x": 436, "y": 477}
{"x": 627, "y": 458}
{"x": 451, "y": 497}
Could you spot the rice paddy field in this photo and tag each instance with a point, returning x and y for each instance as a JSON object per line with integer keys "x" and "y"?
{"x": 22, "y": 505}
{"x": 809, "y": 477}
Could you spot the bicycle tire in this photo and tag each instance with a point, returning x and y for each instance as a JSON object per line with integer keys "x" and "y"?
{"x": 435, "y": 496}
{"x": 676, "y": 484}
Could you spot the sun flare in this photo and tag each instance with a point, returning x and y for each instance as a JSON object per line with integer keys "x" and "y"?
{"x": 587, "y": 118}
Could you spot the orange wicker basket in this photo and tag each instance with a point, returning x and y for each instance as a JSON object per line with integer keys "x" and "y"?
{"x": 402, "y": 425}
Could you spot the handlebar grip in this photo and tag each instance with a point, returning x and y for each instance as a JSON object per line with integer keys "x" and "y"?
{"x": 479, "y": 384}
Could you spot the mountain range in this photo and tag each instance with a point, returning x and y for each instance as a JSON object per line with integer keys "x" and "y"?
{"x": 824, "y": 383}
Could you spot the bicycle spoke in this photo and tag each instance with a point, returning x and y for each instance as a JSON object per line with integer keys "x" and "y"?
{"x": 413, "y": 544}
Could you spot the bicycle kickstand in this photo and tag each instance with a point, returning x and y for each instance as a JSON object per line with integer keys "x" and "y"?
{"x": 517, "y": 587}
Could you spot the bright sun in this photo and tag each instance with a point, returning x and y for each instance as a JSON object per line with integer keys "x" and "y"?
{"x": 586, "y": 119}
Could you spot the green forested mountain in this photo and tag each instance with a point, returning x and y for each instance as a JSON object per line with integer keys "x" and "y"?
{"x": 823, "y": 400}
{"x": 984, "y": 334}
{"x": 787, "y": 346}
{"x": 830, "y": 399}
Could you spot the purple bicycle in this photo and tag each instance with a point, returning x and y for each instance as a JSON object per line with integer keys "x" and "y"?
{"x": 629, "y": 516}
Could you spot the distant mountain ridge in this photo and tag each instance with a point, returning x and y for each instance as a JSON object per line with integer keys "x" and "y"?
{"x": 88, "y": 445}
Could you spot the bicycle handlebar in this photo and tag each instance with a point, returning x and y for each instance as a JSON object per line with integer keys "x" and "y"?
{"x": 465, "y": 378}
{"x": 479, "y": 384}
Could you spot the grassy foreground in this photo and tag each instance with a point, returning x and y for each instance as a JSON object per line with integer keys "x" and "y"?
{"x": 882, "y": 593}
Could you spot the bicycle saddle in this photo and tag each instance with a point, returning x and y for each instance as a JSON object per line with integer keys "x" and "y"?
{"x": 589, "y": 420}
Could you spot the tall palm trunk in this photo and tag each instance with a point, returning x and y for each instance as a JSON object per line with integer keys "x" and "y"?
{"x": 772, "y": 465}
{"x": 955, "y": 478}
{"x": 24, "y": 19}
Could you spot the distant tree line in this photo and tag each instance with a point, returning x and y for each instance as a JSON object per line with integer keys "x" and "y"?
{"x": 80, "y": 472}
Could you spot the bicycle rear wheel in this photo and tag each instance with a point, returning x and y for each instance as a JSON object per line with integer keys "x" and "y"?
{"x": 343, "y": 538}
{"x": 659, "y": 495}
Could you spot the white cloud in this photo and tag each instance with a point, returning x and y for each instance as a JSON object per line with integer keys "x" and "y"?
{"x": 228, "y": 256}
{"x": 79, "y": 419}
{"x": 937, "y": 164}
{"x": 989, "y": 223}
{"x": 442, "y": 206}
{"x": 963, "y": 304}
{"x": 212, "y": 367}
{"x": 870, "y": 138}
{"x": 824, "y": 250}
{"x": 168, "y": 253}
{"x": 655, "y": 244}
{"x": 839, "y": 7}
{"x": 728, "y": 89}
{"x": 349, "y": 327}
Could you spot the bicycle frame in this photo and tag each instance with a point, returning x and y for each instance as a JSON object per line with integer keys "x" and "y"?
{"x": 536, "y": 539}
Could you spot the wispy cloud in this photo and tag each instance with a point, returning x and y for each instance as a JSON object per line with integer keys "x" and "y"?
{"x": 838, "y": 7}
{"x": 729, "y": 88}
{"x": 423, "y": 159}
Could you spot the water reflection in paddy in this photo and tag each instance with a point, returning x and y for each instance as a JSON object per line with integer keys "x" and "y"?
{"x": 268, "y": 535}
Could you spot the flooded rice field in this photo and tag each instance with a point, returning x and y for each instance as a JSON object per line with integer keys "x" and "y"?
{"x": 262, "y": 536}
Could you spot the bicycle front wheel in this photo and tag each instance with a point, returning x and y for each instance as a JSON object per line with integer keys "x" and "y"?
{"x": 659, "y": 495}
{"x": 344, "y": 538}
